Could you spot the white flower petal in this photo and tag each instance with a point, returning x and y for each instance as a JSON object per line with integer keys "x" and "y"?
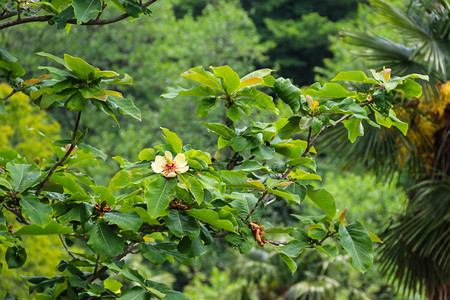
{"x": 180, "y": 160}
{"x": 182, "y": 170}
{"x": 157, "y": 168}
{"x": 170, "y": 175}
{"x": 161, "y": 160}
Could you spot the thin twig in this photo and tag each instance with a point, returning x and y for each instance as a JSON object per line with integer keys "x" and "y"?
{"x": 128, "y": 249}
{"x": 12, "y": 93}
{"x": 18, "y": 213}
{"x": 61, "y": 237}
{"x": 71, "y": 21}
{"x": 59, "y": 162}
{"x": 233, "y": 161}
{"x": 96, "y": 263}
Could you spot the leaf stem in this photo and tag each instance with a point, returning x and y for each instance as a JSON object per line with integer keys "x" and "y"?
{"x": 71, "y": 21}
{"x": 59, "y": 162}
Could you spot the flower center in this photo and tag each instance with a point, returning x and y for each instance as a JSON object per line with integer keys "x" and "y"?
{"x": 170, "y": 168}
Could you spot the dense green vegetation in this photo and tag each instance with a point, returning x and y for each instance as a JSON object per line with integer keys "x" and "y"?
{"x": 299, "y": 39}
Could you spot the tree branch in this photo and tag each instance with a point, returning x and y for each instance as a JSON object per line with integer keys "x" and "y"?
{"x": 310, "y": 143}
{"x": 71, "y": 21}
{"x": 59, "y": 162}
{"x": 18, "y": 212}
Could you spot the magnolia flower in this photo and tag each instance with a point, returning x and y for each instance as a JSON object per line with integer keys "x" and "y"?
{"x": 170, "y": 167}
{"x": 386, "y": 74}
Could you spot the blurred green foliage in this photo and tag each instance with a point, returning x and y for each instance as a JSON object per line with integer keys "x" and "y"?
{"x": 20, "y": 127}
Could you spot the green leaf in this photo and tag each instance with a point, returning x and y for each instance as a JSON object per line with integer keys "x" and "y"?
{"x": 147, "y": 154}
{"x": 48, "y": 99}
{"x": 330, "y": 90}
{"x": 135, "y": 293}
{"x": 15, "y": 257}
{"x": 212, "y": 218}
{"x": 354, "y": 127}
{"x": 220, "y": 129}
{"x": 104, "y": 241}
{"x": 199, "y": 90}
{"x": 76, "y": 102}
{"x": 22, "y": 176}
{"x": 173, "y": 140}
{"x": 289, "y": 262}
{"x": 79, "y": 67}
{"x": 126, "y": 221}
{"x": 131, "y": 7}
{"x": 410, "y": 88}
{"x": 383, "y": 101}
{"x": 182, "y": 224}
{"x": 152, "y": 254}
{"x": 157, "y": 195}
{"x": 194, "y": 186}
{"x": 200, "y": 75}
{"x": 84, "y": 9}
{"x": 263, "y": 152}
{"x": 52, "y": 228}
{"x": 229, "y": 78}
{"x": 330, "y": 250}
{"x": 127, "y": 79}
{"x": 288, "y": 93}
{"x": 234, "y": 113}
{"x": 62, "y": 18}
{"x": 92, "y": 150}
{"x": 356, "y": 76}
{"x": 255, "y": 98}
{"x": 324, "y": 200}
{"x": 294, "y": 248}
{"x": 244, "y": 206}
{"x": 95, "y": 93}
{"x": 390, "y": 120}
{"x": 10, "y": 65}
{"x": 192, "y": 248}
{"x": 124, "y": 106}
{"x": 357, "y": 242}
{"x": 235, "y": 180}
{"x": 5, "y": 183}
{"x": 55, "y": 58}
{"x": 241, "y": 143}
{"x": 39, "y": 213}
{"x": 287, "y": 195}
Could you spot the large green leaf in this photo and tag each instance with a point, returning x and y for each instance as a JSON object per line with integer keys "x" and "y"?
{"x": 126, "y": 221}
{"x": 354, "y": 128}
{"x": 135, "y": 293}
{"x": 194, "y": 186}
{"x": 199, "y": 90}
{"x": 357, "y": 76}
{"x": 357, "y": 242}
{"x": 229, "y": 78}
{"x": 79, "y": 67}
{"x": 323, "y": 199}
{"x": 288, "y": 93}
{"x": 235, "y": 180}
{"x": 182, "y": 224}
{"x": 157, "y": 195}
{"x": 241, "y": 143}
{"x": 124, "y": 106}
{"x": 173, "y": 140}
{"x": 22, "y": 176}
{"x": 39, "y": 213}
{"x": 200, "y": 75}
{"x": 104, "y": 241}
{"x": 52, "y": 228}
{"x": 15, "y": 257}
{"x": 84, "y": 9}
{"x": 212, "y": 218}
{"x": 330, "y": 90}
{"x": 220, "y": 129}
{"x": 10, "y": 65}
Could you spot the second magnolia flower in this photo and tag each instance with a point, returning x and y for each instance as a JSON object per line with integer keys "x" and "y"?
{"x": 170, "y": 167}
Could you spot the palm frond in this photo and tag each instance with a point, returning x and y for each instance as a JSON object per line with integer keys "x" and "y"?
{"x": 416, "y": 249}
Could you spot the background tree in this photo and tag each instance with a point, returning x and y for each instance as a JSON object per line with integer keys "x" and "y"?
{"x": 414, "y": 254}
